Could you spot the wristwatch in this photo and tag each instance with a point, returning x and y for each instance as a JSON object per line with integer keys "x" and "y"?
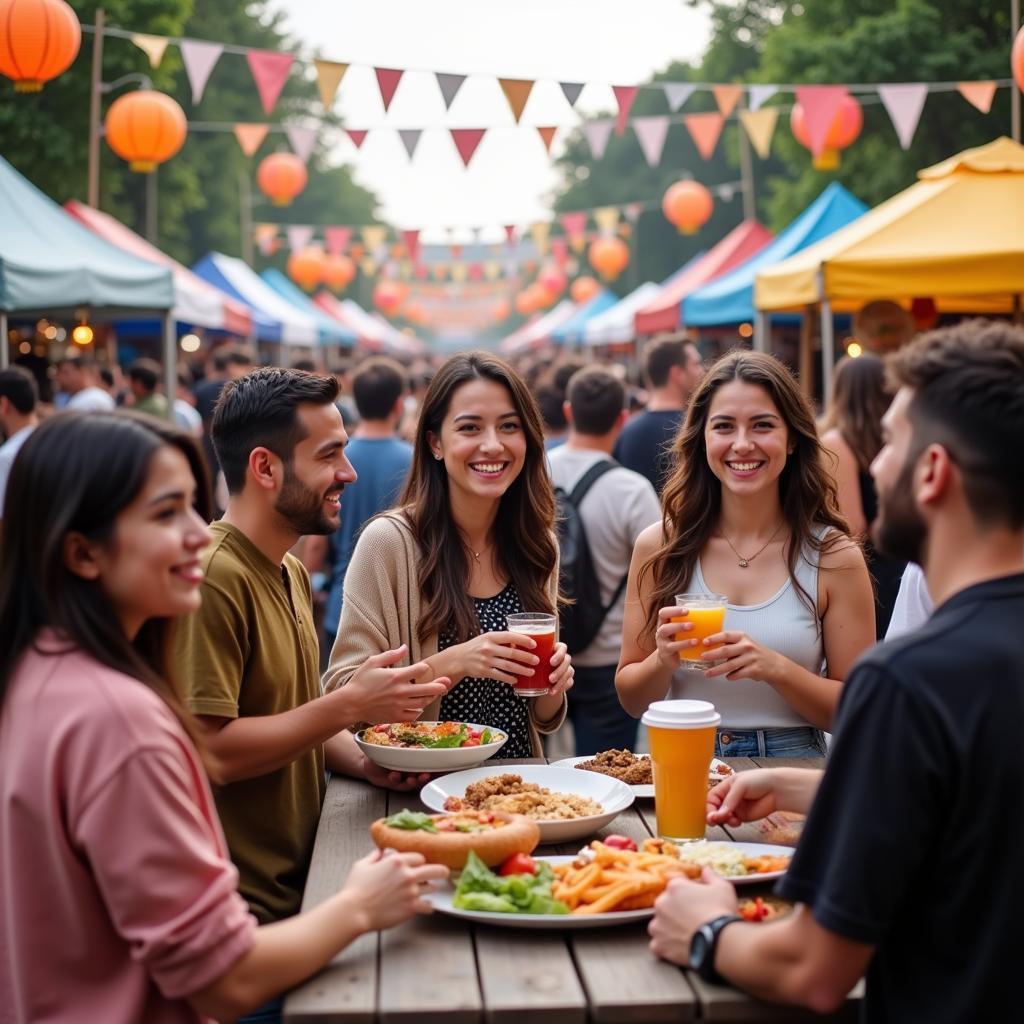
{"x": 703, "y": 946}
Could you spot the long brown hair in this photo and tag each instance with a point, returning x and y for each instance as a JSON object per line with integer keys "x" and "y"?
{"x": 859, "y": 401}
{"x": 692, "y": 500}
{"x": 524, "y": 528}
{"x": 76, "y": 473}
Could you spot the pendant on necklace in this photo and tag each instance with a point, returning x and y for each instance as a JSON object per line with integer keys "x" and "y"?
{"x": 744, "y": 563}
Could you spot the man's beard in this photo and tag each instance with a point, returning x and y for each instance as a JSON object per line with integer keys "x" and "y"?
{"x": 899, "y": 531}
{"x": 302, "y": 508}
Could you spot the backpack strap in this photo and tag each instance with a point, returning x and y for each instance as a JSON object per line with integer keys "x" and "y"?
{"x": 592, "y": 475}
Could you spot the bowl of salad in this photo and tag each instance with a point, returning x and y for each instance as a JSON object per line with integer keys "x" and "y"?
{"x": 429, "y": 746}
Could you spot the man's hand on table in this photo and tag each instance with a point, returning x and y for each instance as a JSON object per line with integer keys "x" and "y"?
{"x": 682, "y": 908}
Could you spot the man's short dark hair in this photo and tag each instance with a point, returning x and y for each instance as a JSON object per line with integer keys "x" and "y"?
{"x": 145, "y": 372}
{"x": 968, "y": 395}
{"x": 659, "y": 358}
{"x": 230, "y": 355}
{"x": 107, "y": 376}
{"x": 81, "y": 362}
{"x": 596, "y": 397}
{"x": 376, "y": 386}
{"x": 19, "y": 387}
{"x": 308, "y": 365}
{"x": 260, "y": 410}
{"x": 549, "y": 402}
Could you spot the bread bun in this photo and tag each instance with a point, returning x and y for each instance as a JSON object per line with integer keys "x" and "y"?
{"x": 498, "y": 839}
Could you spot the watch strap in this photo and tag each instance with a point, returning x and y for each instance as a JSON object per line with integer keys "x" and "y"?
{"x": 710, "y": 932}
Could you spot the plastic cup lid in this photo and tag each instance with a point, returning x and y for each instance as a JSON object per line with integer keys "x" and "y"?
{"x": 681, "y": 714}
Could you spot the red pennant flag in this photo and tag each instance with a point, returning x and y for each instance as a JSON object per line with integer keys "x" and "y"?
{"x": 357, "y": 135}
{"x": 387, "y": 79}
{"x": 624, "y": 95}
{"x": 337, "y": 239}
{"x": 476, "y": 272}
{"x": 547, "y": 136}
{"x": 269, "y": 72}
{"x": 412, "y": 243}
{"x": 456, "y": 252}
{"x": 821, "y": 105}
{"x": 574, "y": 223}
{"x": 704, "y": 129}
{"x": 510, "y": 234}
{"x": 466, "y": 140}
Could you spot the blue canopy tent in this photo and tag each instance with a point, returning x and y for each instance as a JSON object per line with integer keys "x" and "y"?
{"x": 571, "y": 331}
{"x": 332, "y": 332}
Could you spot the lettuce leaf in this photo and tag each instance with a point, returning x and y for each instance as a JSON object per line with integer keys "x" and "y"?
{"x": 413, "y": 821}
{"x": 479, "y": 888}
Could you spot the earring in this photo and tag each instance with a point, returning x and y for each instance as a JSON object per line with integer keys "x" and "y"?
{"x": 437, "y": 455}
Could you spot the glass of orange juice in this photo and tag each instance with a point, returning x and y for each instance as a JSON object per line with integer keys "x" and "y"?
{"x": 707, "y": 613}
{"x": 682, "y": 738}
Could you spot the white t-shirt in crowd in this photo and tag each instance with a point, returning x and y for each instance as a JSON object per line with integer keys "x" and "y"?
{"x": 91, "y": 400}
{"x": 616, "y": 509}
{"x": 913, "y": 605}
{"x": 8, "y": 450}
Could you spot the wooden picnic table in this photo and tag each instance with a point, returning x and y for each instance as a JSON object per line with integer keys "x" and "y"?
{"x": 438, "y": 968}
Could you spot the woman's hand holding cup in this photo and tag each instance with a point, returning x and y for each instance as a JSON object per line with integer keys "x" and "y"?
{"x": 500, "y": 655}
{"x": 670, "y": 636}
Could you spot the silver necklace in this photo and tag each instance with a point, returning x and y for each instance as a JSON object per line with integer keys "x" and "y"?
{"x": 745, "y": 561}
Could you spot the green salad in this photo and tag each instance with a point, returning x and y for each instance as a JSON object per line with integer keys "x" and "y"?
{"x": 479, "y": 888}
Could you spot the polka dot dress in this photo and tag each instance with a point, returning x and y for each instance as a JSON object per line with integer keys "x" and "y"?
{"x": 489, "y": 701}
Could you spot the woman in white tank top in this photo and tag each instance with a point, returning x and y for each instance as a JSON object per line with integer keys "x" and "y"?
{"x": 749, "y": 512}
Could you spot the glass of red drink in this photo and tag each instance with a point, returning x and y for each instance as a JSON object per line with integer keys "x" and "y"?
{"x": 540, "y": 628}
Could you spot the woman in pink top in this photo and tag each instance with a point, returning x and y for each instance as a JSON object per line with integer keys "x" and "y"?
{"x": 119, "y": 901}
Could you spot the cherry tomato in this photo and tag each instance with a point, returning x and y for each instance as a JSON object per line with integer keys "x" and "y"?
{"x": 754, "y": 910}
{"x": 474, "y": 742}
{"x": 485, "y": 817}
{"x": 518, "y": 864}
{"x": 617, "y": 842}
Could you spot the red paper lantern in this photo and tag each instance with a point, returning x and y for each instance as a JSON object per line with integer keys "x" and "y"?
{"x": 924, "y": 312}
{"x": 1017, "y": 59}
{"x": 306, "y": 267}
{"x": 553, "y": 280}
{"x": 609, "y": 257}
{"x": 281, "y": 177}
{"x": 145, "y": 128}
{"x": 338, "y": 272}
{"x": 39, "y": 41}
{"x": 687, "y": 205}
{"x": 387, "y": 297}
{"x": 843, "y": 131}
{"x": 583, "y": 288}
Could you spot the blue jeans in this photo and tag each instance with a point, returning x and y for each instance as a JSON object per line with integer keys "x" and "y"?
{"x": 796, "y": 742}
{"x": 598, "y": 719}
{"x": 268, "y": 1013}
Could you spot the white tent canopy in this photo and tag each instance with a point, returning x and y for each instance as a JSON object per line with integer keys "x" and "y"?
{"x": 616, "y": 324}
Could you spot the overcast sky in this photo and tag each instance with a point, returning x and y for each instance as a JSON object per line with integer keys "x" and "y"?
{"x": 511, "y": 178}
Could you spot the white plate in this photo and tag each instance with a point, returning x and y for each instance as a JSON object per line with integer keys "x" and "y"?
{"x": 442, "y": 900}
{"x": 646, "y": 790}
{"x": 756, "y": 850}
{"x": 427, "y": 759}
{"x": 612, "y": 795}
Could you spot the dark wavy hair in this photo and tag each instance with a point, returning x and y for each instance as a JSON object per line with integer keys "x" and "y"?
{"x": 76, "y": 473}
{"x": 524, "y": 529}
{"x": 692, "y": 500}
{"x": 859, "y": 401}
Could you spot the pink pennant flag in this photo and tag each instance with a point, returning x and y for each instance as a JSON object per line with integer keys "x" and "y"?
{"x": 904, "y": 104}
{"x": 302, "y": 140}
{"x": 299, "y": 236}
{"x": 466, "y": 141}
{"x": 677, "y": 93}
{"x": 651, "y": 133}
{"x": 250, "y": 136}
{"x": 821, "y": 105}
{"x": 624, "y": 96}
{"x": 199, "y": 59}
{"x": 727, "y": 96}
{"x": 387, "y": 79}
{"x": 337, "y": 239}
{"x": 704, "y": 129}
{"x": 560, "y": 251}
{"x": 270, "y": 72}
{"x": 598, "y": 133}
{"x": 411, "y": 238}
{"x": 357, "y": 135}
{"x": 511, "y": 235}
{"x": 978, "y": 94}
{"x": 575, "y": 224}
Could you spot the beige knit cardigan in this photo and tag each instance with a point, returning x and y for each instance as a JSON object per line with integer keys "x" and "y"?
{"x": 381, "y": 611}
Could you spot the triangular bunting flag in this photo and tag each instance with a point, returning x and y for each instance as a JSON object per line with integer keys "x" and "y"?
{"x": 560, "y": 251}
{"x": 727, "y": 96}
{"x": 459, "y": 272}
{"x": 152, "y": 46}
{"x": 492, "y": 270}
{"x": 411, "y": 238}
{"x": 357, "y": 135}
{"x": 373, "y": 236}
{"x": 704, "y": 129}
{"x": 547, "y": 136}
{"x": 337, "y": 239}
{"x": 677, "y": 93}
{"x": 517, "y": 92}
{"x": 449, "y": 86}
{"x": 329, "y": 74}
{"x": 368, "y": 266}
{"x": 299, "y": 236}
{"x": 387, "y": 80}
{"x": 410, "y": 139}
{"x": 199, "y": 59}
{"x": 624, "y": 96}
{"x": 607, "y": 219}
{"x": 511, "y": 235}
{"x": 904, "y": 103}
{"x": 250, "y": 136}
{"x": 302, "y": 140}
{"x": 540, "y": 233}
{"x": 760, "y": 127}
{"x": 651, "y": 133}
{"x": 759, "y": 95}
{"x": 821, "y": 105}
{"x": 270, "y": 72}
{"x": 598, "y": 133}
{"x": 633, "y": 211}
{"x": 978, "y": 94}
{"x": 575, "y": 224}
{"x": 571, "y": 91}
{"x": 466, "y": 141}
{"x": 266, "y": 238}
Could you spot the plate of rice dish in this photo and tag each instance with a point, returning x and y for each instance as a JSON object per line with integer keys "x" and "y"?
{"x": 740, "y": 863}
{"x": 634, "y": 770}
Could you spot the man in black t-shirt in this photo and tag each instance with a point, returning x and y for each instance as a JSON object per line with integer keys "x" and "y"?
{"x": 909, "y": 860}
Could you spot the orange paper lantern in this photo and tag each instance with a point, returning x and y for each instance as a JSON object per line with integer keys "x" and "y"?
{"x": 338, "y": 272}
{"x": 687, "y": 205}
{"x": 524, "y": 303}
{"x": 1016, "y": 59}
{"x": 553, "y": 280}
{"x": 609, "y": 257}
{"x": 583, "y": 288}
{"x": 501, "y": 310}
{"x": 845, "y": 128}
{"x": 387, "y": 297}
{"x": 306, "y": 267}
{"x": 40, "y": 39}
{"x": 281, "y": 177}
{"x": 145, "y": 128}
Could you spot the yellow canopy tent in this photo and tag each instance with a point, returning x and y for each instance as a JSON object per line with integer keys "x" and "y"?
{"x": 955, "y": 236}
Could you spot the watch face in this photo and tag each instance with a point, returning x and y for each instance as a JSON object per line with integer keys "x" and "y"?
{"x": 700, "y": 945}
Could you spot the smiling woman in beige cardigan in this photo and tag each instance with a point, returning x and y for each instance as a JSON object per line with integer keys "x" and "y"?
{"x": 472, "y": 541}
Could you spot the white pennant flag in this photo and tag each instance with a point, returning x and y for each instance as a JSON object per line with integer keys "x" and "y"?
{"x": 759, "y": 95}
{"x": 651, "y": 133}
{"x": 677, "y": 93}
{"x": 199, "y": 59}
{"x": 598, "y": 133}
{"x": 299, "y": 236}
{"x": 302, "y": 140}
{"x": 152, "y": 46}
{"x": 904, "y": 104}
